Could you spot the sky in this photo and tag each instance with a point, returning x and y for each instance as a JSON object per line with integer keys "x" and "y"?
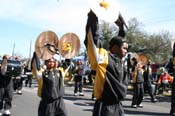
{"x": 21, "y": 21}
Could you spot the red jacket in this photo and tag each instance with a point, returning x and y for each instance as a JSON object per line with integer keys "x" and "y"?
{"x": 165, "y": 78}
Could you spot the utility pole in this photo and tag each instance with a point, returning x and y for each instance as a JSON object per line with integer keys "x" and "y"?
{"x": 30, "y": 48}
{"x": 13, "y": 52}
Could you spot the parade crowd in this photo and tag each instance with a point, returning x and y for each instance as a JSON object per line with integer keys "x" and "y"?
{"x": 110, "y": 72}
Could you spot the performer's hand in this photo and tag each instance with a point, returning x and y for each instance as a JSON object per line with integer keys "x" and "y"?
{"x": 92, "y": 19}
{"x": 120, "y": 22}
{"x": 92, "y": 22}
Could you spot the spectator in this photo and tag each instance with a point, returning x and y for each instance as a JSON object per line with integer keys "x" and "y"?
{"x": 169, "y": 67}
{"x": 148, "y": 82}
{"x": 78, "y": 89}
{"x": 18, "y": 80}
{"x": 164, "y": 80}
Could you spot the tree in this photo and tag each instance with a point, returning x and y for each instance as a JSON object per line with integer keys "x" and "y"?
{"x": 157, "y": 46}
{"x": 107, "y": 31}
{"x": 135, "y": 37}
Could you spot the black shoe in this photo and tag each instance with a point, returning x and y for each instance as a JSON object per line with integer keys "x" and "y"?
{"x": 172, "y": 114}
{"x": 6, "y": 115}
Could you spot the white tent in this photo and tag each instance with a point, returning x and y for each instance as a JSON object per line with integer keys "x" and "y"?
{"x": 79, "y": 58}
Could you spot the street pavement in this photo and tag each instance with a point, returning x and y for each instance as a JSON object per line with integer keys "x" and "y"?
{"x": 27, "y": 104}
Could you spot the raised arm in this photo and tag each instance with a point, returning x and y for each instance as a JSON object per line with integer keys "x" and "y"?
{"x": 92, "y": 27}
{"x": 120, "y": 23}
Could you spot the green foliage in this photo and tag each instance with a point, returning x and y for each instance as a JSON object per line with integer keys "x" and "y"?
{"x": 107, "y": 31}
{"x": 157, "y": 46}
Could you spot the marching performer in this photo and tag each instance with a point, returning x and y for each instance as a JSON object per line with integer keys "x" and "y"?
{"x": 172, "y": 110}
{"x": 49, "y": 77}
{"x": 52, "y": 103}
{"x": 6, "y": 89}
{"x": 110, "y": 85}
